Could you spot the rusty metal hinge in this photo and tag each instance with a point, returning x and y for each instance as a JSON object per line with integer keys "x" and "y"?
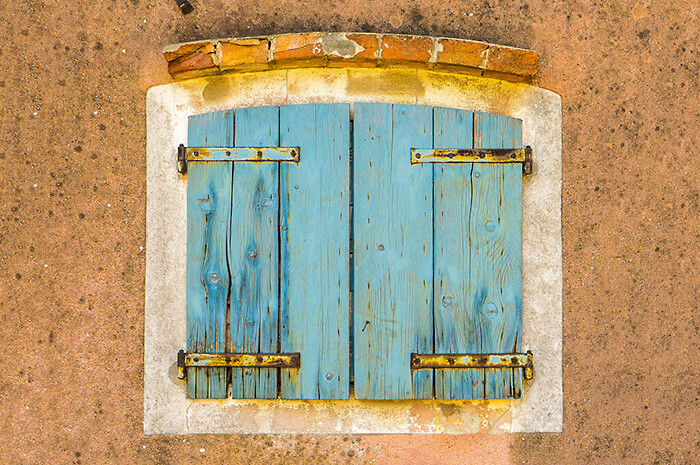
{"x": 523, "y": 156}
{"x": 246, "y": 360}
{"x": 235, "y": 154}
{"x": 524, "y": 361}
{"x": 181, "y": 159}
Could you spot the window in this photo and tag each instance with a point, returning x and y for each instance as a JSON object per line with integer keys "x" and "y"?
{"x": 353, "y": 245}
{"x": 168, "y": 410}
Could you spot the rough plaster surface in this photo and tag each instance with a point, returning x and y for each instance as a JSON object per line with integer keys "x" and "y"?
{"x": 71, "y": 384}
{"x": 167, "y": 411}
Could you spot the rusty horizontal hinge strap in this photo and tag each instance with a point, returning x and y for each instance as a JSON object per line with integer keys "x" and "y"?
{"x": 235, "y": 154}
{"x": 250, "y": 154}
{"x": 524, "y": 361}
{"x": 522, "y": 155}
{"x": 246, "y": 360}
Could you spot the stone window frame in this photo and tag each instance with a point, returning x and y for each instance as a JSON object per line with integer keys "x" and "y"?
{"x": 331, "y": 78}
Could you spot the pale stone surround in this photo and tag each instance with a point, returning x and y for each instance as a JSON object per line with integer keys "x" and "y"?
{"x": 168, "y": 411}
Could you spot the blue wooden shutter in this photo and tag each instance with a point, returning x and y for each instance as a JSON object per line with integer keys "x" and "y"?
{"x": 208, "y": 226}
{"x": 393, "y": 256}
{"x": 315, "y": 234}
{"x": 437, "y": 262}
{"x": 437, "y": 259}
{"x": 254, "y": 253}
{"x": 272, "y": 239}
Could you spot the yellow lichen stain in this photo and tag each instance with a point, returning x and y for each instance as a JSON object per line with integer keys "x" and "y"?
{"x": 385, "y": 82}
{"x": 192, "y": 90}
{"x": 303, "y": 82}
{"x": 255, "y": 88}
{"x": 334, "y": 416}
{"x": 448, "y": 410}
{"x": 217, "y": 90}
{"x": 450, "y": 418}
{"x": 500, "y": 97}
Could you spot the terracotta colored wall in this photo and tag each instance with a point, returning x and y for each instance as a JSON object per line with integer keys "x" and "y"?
{"x": 72, "y": 197}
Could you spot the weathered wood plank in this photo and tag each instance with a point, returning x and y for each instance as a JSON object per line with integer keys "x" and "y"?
{"x": 208, "y": 222}
{"x": 393, "y": 253}
{"x": 455, "y": 327}
{"x": 495, "y": 229}
{"x": 254, "y": 254}
{"x": 314, "y": 250}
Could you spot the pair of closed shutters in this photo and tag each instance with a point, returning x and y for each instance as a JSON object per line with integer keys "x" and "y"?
{"x": 354, "y": 250}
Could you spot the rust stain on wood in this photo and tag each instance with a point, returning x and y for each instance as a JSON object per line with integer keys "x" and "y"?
{"x": 248, "y": 360}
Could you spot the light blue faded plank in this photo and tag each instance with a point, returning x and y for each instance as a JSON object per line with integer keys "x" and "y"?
{"x": 495, "y": 229}
{"x": 315, "y": 232}
{"x": 393, "y": 253}
{"x": 455, "y": 324}
{"x": 208, "y": 222}
{"x": 254, "y": 254}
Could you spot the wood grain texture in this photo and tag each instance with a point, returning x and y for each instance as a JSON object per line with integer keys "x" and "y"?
{"x": 254, "y": 253}
{"x": 495, "y": 230}
{"x": 208, "y": 222}
{"x": 314, "y": 246}
{"x": 437, "y": 252}
{"x": 393, "y": 251}
{"x": 455, "y": 326}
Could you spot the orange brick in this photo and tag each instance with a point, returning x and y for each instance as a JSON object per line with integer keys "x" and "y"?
{"x": 406, "y": 48}
{"x": 194, "y": 59}
{"x": 297, "y": 46}
{"x": 233, "y": 53}
{"x": 462, "y": 52}
{"x": 351, "y": 50}
{"x": 185, "y": 49}
{"x": 370, "y": 43}
{"x": 512, "y": 61}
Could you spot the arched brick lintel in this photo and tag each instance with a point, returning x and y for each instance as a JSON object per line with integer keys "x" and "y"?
{"x": 346, "y": 49}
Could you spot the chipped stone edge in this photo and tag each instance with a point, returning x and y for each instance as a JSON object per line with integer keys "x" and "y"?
{"x": 166, "y": 409}
{"x": 485, "y": 68}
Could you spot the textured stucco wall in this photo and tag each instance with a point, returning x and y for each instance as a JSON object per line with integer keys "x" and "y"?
{"x": 72, "y": 226}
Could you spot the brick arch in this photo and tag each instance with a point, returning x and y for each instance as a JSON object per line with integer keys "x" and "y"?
{"x": 340, "y": 49}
